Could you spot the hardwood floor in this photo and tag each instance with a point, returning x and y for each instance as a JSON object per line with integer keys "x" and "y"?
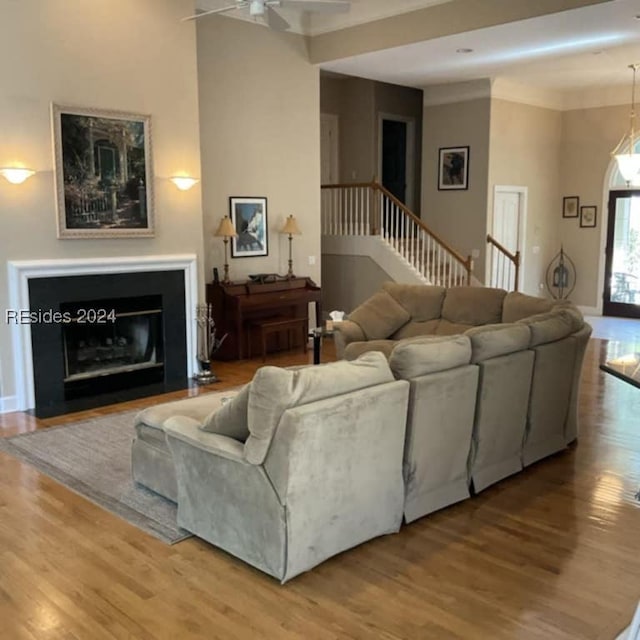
{"x": 550, "y": 553}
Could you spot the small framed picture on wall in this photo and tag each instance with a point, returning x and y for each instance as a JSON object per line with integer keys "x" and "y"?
{"x": 570, "y": 207}
{"x": 453, "y": 168}
{"x": 588, "y": 216}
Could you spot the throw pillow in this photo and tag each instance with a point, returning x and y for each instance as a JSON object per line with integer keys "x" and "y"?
{"x": 230, "y": 419}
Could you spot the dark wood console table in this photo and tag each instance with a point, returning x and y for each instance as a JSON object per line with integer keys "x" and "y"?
{"x": 237, "y": 304}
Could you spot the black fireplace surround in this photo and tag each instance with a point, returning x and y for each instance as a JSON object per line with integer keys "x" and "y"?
{"x": 93, "y": 363}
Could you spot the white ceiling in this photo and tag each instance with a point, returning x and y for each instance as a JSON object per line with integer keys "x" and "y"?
{"x": 316, "y": 23}
{"x": 575, "y": 50}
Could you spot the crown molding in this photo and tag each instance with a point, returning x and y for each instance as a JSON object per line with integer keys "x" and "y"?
{"x": 504, "y": 89}
{"x": 456, "y": 92}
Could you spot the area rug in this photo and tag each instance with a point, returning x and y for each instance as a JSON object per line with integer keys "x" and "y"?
{"x": 93, "y": 459}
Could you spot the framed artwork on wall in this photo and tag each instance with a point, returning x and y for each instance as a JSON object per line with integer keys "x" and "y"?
{"x": 588, "y": 216}
{"x": 570, "y": 207}
{"x": 103, "y": 173}
{"x": 249, "y": 218}
{"x": 453, "y": 168}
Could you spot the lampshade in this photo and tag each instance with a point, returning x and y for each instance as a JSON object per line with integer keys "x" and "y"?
{"x": 291, "y": 226}
{"x": 225, "y": 229}
{"x": 628, "y": 161}
{"x": 184, "y": 183}
{"x": 16, "y": 175}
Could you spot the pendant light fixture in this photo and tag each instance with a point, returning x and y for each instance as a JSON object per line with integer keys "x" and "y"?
{"x": 628, "y": 160}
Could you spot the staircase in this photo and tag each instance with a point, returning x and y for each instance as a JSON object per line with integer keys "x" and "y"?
{"x": 368, "y": 213}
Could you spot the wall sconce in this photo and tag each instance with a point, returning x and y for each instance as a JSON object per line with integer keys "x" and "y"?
{"x": 291, "y": 228}
{"x": 184, "y": 183}
{"x": 225, "y": 231}
{"x": 16, "y": 175}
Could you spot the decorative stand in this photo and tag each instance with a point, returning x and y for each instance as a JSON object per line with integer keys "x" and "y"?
{"x": 561, "y": 276}
{"x": 207, "y": 344}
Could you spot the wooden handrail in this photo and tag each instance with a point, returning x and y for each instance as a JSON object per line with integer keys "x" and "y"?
{"x": 347, "y": 185}
{"x": 514, "y": 257}
{"x": 376, "y": 186}
{"x": 465, "y": 261}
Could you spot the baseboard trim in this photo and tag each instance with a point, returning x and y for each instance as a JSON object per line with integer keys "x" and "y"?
{"x": 590, "y": 311}
{"x": 8, "y": 404}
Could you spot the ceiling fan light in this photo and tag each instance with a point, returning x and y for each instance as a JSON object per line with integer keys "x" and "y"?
{"x": 629, "y": 166}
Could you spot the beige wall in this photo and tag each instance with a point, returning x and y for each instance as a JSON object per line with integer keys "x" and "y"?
{"x": 130, "y": 56}
{"x": 458, "y": 216}
{"x": 588, "y": 136}
{"x": 260, "y": 136}
{"x": 350, "y": 281}
{"x": 359, "y": 103}
{"x": 525, "y": 151}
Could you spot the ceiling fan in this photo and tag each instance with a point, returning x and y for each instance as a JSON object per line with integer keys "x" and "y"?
{"x": 266, "y": 9}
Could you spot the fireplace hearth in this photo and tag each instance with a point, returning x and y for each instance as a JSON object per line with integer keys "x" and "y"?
{"x": 127, "y": 342}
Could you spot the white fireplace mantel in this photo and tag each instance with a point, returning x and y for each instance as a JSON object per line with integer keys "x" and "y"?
{"x": 21, "y": 271}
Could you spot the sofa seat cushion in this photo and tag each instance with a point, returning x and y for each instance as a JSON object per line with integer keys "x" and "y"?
{"x": 493, "y": 340}
{"x": 380, "y": 316}
{"x": 197, "y": 408}
{"x": 422, "y": 302}
{"x": 356, "y": 349}
{"x": 421, "y": 356}
{"x": 473, "y": 305}
{"x": 448, "y": 328}
{"x": 274, "y": 390}
{"x": 518, "y": 305}
{"x": 553, "y": 325}
{"x": 413, "y": 329}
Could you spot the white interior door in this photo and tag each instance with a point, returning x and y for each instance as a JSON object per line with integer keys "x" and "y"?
{"x": 329, "y": 145}
{"x": 508, "y": 228}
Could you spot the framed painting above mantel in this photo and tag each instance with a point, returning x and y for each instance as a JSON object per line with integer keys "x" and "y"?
{"x": 103, "y": 173}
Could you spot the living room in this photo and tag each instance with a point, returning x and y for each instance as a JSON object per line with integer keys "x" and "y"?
{"x": 237, "y": 106}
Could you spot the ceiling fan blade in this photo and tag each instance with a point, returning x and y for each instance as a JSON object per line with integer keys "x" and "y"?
{"x": 275, "y": 20}
{"x": 201, "y": 14}
{"x": 319, "y": 6}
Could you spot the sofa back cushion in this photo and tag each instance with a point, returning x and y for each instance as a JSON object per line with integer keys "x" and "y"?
{"x": 553, "y": 325}
{"x": 421, "y": 356}
{"x": 493, "y": 340}
{"x": 518, "y": 305}
{"x": 380, "y": 316}
{"x": 473, "y": 306}
{"x": 422, "y": 302}
{"x": 274, "y": 390}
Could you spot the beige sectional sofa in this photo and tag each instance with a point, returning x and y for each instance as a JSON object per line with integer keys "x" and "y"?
{"x": 472, "y": 385}
{"x": 528, "y": 352}
{"x": 298, "y": 466}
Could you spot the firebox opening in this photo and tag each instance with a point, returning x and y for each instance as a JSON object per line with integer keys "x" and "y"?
{"x": 107, "y": 342}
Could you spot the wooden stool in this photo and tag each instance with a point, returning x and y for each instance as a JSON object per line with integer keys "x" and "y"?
{"x": 276, "y": 325}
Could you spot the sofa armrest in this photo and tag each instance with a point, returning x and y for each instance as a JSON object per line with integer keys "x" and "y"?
{"x": 345, "y": 332}
{"x": 187, "y": 430}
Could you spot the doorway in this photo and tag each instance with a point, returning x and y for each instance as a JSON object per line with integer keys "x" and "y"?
{"x": 508, "y": 228}
{"x": 396, "y": 154}
{"x": 621, "y": 295}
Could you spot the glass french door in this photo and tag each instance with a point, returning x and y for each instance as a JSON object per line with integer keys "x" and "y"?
{"x": 622, "y": 275}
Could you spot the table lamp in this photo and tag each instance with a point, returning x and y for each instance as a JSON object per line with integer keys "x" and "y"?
{"x": 291, "y": 228}
{"x": 225, "y": 231}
